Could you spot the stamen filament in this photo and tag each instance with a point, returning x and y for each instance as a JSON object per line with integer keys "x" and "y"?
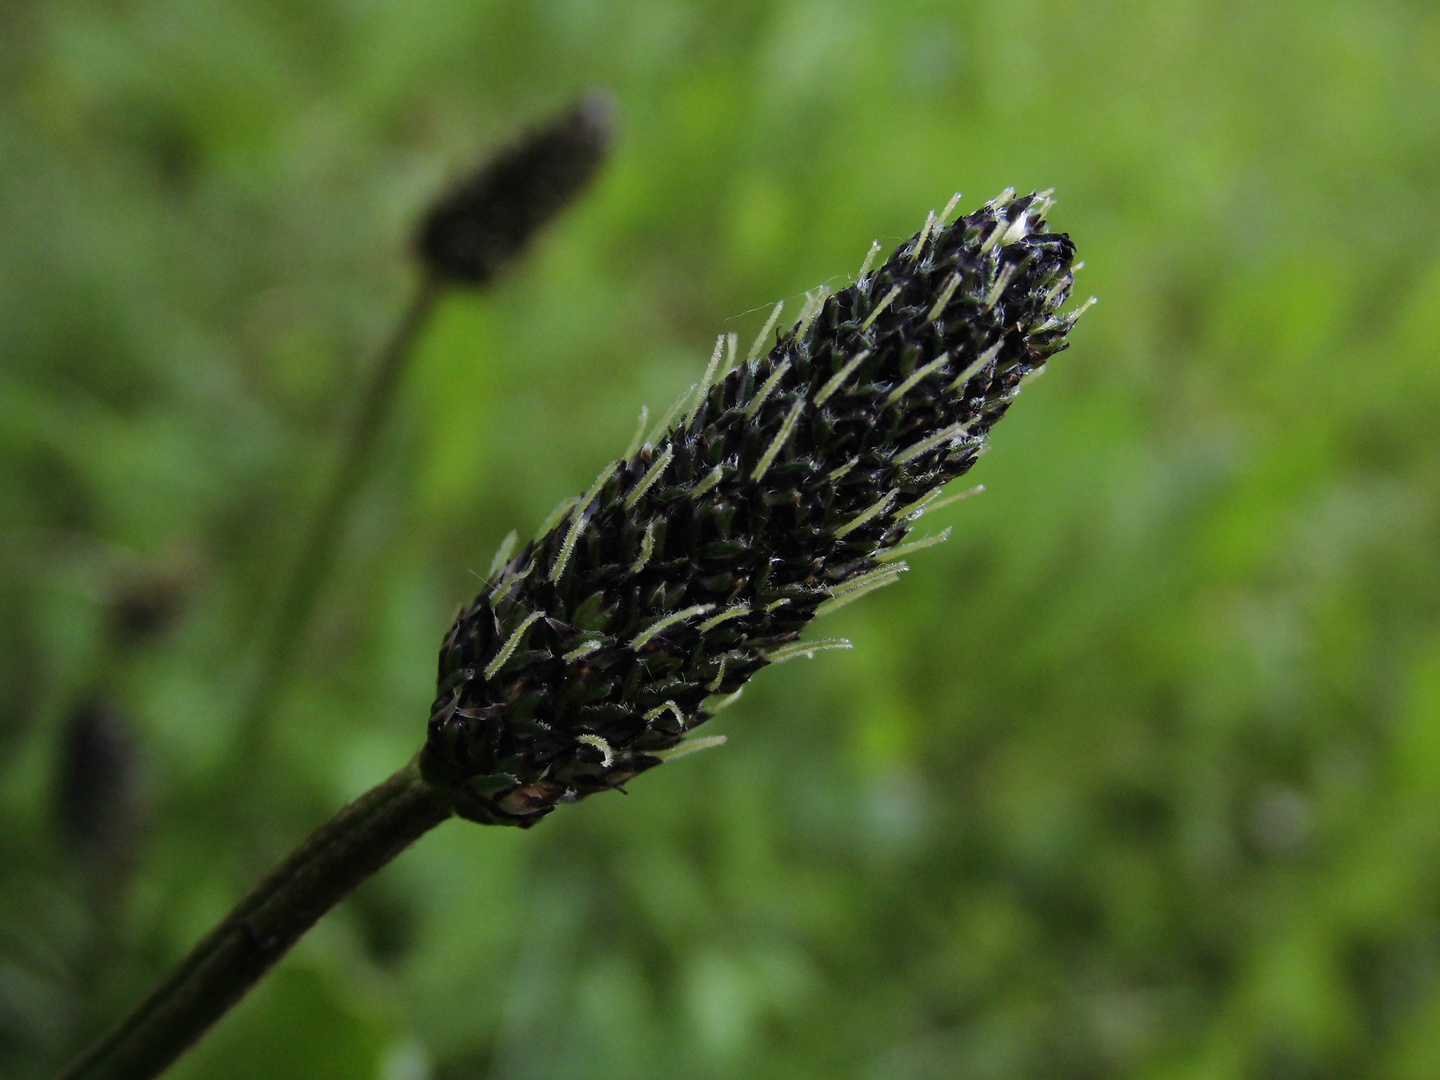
{"x": 951, "y": 284}
{"x": 874, "y": 511}
{"x": 763, "y": 336}
{"x": 667, "y": 622}
{"x": 703, "y": 387}
{"x": 807, "y": 649}
{"x": 652, "y": 475}
{"x": 493, "y": 668}
{"x": 970, "y": 372}
{"x": 840, "y": 377}
{"x": 912, "y": 547}
{"x": 954, "y": 431}
{"x": 639, "y": 439}
{"x": 578, "y": 525}
{"x": 879, "y": 308}
{"x": 916, "y": 376}
{"x": 765, "y": 389}
{"x": 778, "y": 443}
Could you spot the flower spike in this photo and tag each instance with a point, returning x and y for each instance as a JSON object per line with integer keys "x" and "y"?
{"x": 785, "y": 489}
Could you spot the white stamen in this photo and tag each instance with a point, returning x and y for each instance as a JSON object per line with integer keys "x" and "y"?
{"x": 994, "y": 238}
{"x": 951, "y": 284}
{"x": 1066, "y": 280}
{"x": 499, "y": 594}
{"x": 689, "y": 746}
{"x": 885, "y": 302}
{"x": 1004, "y": 199}
{"x": 647, "y": 545}
{"x": 930, "y": 222}
{"x": 725, "y": 702}
{"x": 719, "y": 679}
{"x": 954, "y": 431}
{"x": 765, "y": 389}
{"x": 916, "y": 376}
{"x": 950, "y": 207}
{"x": 652, "y": 475}
{"x": 578, "y": 525}
{"x": 510, "y": 645}
{"x": 664, "y": 424}
{"x": 668, "y": 621}
{"x": 639, "y": 438}
{"x": 914, "y": 546}
{"x": 807, "y": 649}
{"x": 703, "y": 387}
{"x": 980, "y": 362}
{"x": 559, "y": 514}
{"x": 778, "y": 443}
{"x": 993, "y": 296}
{"x": 1029, "y": 377}
{"x": 805, "y": 310}
{"x": 861, "y": 581}
{"x": 584, "y": 649}
{"x": 836, "y": 603}
{"x": 836, "y": 474}
{"x": 839, "y": 378}
{"x": 812, "y": 309}
{"x": 732, "y": 345}
{"x": 873, "y": 512}
{"x": 1019, "y": 229}
{"x": 916, "y": 508}
{"x": 670, "y": 707}
{"x": 940, "y": 504}
{"x": 760, "y": 339}
{"x": 713, "y": 477}
{"x": 726, "y": 615}
{"x": 601, "y": 745}
{"x": 869, "y": 261}
{"x": 503, "y": 553}
{"x": 1074, "y": 316}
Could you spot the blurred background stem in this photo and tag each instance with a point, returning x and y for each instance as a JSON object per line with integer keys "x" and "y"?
{"x": 326, "y": 531}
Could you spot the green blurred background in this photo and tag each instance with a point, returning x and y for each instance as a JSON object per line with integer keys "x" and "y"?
{"x": 1137, "y": 776}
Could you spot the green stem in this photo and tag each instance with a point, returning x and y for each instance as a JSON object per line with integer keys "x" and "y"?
{"x": 317, "y": 554}
{"x": 338, "y": 856}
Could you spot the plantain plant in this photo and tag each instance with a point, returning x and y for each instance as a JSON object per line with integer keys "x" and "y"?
{"x": 782, "y": 485}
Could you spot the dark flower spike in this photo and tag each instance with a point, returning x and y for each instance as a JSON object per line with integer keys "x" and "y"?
{"x": 487, "y": 220}
{"x": 786, "y": 488}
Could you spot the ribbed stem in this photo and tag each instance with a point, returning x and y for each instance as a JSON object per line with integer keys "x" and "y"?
{"x": 358, "y": 841}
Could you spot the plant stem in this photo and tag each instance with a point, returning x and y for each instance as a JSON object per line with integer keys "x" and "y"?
{"x": 338, "y": 856}
{"x": 308, "y": 576}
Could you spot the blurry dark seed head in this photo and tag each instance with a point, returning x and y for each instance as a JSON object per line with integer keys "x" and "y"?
{"x": 96, "y": 798}
{"x": 146, "y": 600}
{"x": 487, "y": 220}
{"x": 776, "y": 489}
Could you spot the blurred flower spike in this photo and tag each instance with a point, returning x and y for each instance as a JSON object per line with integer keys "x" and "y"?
{"x": 774, "y": 490}
{"x": 490, "y": 217}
